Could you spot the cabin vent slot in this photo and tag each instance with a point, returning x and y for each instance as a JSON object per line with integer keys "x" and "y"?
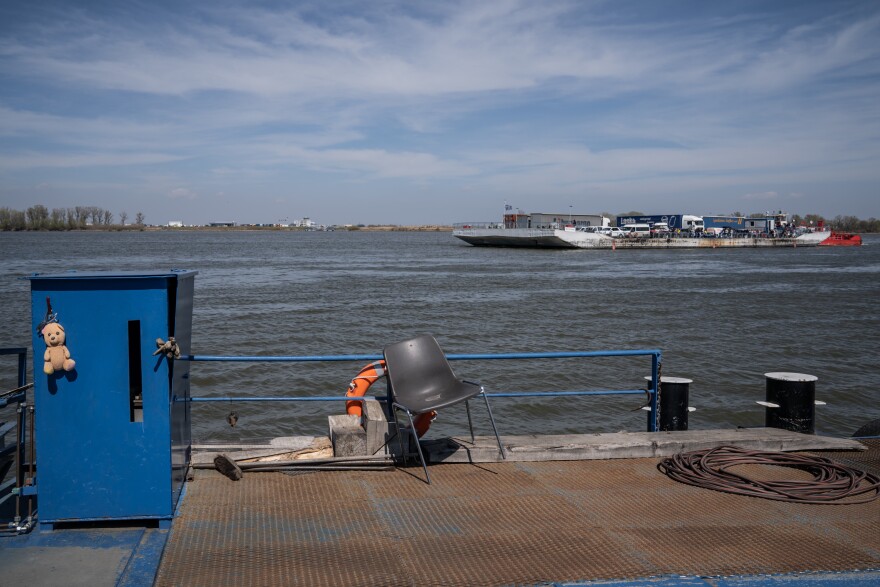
{"x": 135, "y": 387}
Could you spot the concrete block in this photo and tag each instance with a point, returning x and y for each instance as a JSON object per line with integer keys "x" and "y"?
{"x": 347, "y": 436}
{"x": 381, "y": 437}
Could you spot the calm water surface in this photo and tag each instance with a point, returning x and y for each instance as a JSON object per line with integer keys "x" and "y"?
{"x": 721, "y": 317}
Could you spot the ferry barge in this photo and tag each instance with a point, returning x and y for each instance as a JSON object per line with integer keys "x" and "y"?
{"x": 580, "y": 231}
{"x": 115, "y": 492}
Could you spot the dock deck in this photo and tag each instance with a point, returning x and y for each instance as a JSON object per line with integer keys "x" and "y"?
{"x": 511, "y": 523}
{"x": 563, "y": 510}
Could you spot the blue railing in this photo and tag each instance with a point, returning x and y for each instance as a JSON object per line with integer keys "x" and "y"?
{"x": 15, "y": 482}
{"x": 17, "y": 396}
{"x": 652, "y": 390}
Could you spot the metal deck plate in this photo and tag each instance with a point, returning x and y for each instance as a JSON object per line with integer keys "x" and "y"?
{"x": 499, "y": 524}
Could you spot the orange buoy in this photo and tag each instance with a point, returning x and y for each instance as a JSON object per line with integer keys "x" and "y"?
{"x": 361, "y": 383}
{"x": 423, "y": 421}
{"x": 358, "y": 387}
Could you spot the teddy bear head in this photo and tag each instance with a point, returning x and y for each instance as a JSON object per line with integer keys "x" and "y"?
{"x": 53, "y": 334}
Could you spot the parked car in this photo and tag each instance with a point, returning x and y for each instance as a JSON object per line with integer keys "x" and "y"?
{"x": 660, "y": 229}
{"x": 616, "y": 232}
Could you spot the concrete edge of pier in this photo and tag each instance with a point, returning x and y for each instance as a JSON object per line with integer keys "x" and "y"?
{"x": 557, "y": 447}
{"x": 626, "y": 445}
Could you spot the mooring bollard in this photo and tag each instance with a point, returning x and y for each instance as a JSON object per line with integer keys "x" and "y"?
{"x": 672, "y": 403}
{"x": 790, "y": 402}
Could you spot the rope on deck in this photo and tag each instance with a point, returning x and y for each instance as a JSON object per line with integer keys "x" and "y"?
{"x": 831, "y": 483}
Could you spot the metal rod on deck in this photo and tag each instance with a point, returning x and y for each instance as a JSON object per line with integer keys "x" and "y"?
{"x": 357, "y": 460}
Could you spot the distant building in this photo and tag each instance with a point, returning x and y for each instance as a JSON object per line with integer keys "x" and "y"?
{"x": 221, "y": 224}
{"x": 175, "y": 224}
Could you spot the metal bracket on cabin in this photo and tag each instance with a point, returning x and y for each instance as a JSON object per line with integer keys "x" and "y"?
{"x": 169, "y": 348}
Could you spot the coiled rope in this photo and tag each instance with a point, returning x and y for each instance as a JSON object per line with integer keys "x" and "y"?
{"x": 831, "y": 481}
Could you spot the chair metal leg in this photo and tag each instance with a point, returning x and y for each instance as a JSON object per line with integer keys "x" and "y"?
{"x": 492, "y": 420}
{"x": 394, "y": 408}
{"x": 467, "y": 407}
{"x": 412, "y": 426}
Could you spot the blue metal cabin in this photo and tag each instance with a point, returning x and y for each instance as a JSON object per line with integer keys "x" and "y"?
{"x": 113, "y": 434}
{"x": 734, "y": 222}
{"x": 672, "y": 220}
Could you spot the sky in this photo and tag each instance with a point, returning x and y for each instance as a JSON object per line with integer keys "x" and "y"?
{"x": 417, "y": 112}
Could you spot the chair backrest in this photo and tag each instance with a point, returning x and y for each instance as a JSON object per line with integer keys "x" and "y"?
{"x": 420, "y": 376}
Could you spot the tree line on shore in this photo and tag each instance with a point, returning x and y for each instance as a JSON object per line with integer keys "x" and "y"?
{"x": 39, "y": 217}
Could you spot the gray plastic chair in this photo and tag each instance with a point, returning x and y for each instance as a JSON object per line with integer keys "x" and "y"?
{"x": 420, "y": 380}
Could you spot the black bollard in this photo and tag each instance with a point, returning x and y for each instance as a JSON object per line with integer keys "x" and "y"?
{"x": 672, "y": 404}
{"x": 795, "y": 394}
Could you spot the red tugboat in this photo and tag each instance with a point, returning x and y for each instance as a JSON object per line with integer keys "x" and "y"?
{"x": 842, "y": 239}
{"x": 839, "y": 239}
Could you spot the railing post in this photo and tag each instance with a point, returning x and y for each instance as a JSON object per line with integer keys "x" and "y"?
{"x": 22, "y": 368}
{"x": 655, "y": 388}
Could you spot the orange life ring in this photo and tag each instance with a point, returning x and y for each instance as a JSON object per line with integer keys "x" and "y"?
{"x": 358, "y": 387}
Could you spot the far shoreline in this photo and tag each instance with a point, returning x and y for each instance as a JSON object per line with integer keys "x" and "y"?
{"x": 250, "y": 228}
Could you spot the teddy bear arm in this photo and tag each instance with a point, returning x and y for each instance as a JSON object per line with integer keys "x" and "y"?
{"x": 66, "y": 353}
{"x": 47, "y": 355}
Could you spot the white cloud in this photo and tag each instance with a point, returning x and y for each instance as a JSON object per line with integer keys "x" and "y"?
{"x": 182, "y": 193}
{"x": 379, "y": 163}
{"x": 513, "y": 96}
{"x": 761, "y": 196}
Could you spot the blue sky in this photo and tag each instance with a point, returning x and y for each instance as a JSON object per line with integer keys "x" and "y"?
{"x": 436, "y": 112}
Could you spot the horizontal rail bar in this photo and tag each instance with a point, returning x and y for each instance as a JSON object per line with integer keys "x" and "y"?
{"x": 14, "y": 351}
{"x": 652, "y": 390}
{"x": 279, "y": 359}
{"x": 565, "y": 393}
{"x": 317, "y": 398}
{"x": 322, "y": 398}
{"x": 452, "y": 357}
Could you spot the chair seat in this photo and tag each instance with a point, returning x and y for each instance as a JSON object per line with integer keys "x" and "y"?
{"x": 440, "y": 397}
{"x": 421, "y": 378}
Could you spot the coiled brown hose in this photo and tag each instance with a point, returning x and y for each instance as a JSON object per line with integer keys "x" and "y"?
{"x": 831, "y": 481}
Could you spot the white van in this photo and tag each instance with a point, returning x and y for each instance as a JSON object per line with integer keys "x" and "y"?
{"x": 637, "y": 230}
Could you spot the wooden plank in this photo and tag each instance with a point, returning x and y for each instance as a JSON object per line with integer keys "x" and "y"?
{"x": 284, "y": 447}
{"x": 623, "y": 445}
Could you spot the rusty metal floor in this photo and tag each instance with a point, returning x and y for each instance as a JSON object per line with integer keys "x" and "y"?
{"x": 501, "y": 524}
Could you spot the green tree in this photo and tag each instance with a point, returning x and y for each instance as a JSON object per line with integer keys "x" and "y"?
{"x": 13, "y": 219}
{"x": 58, "y": 220}
{"x": 37, "y": 217}
{"x": 81, "y": 215}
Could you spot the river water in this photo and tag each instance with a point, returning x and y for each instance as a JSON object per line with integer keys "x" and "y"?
{"x": 721, "y": 317}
